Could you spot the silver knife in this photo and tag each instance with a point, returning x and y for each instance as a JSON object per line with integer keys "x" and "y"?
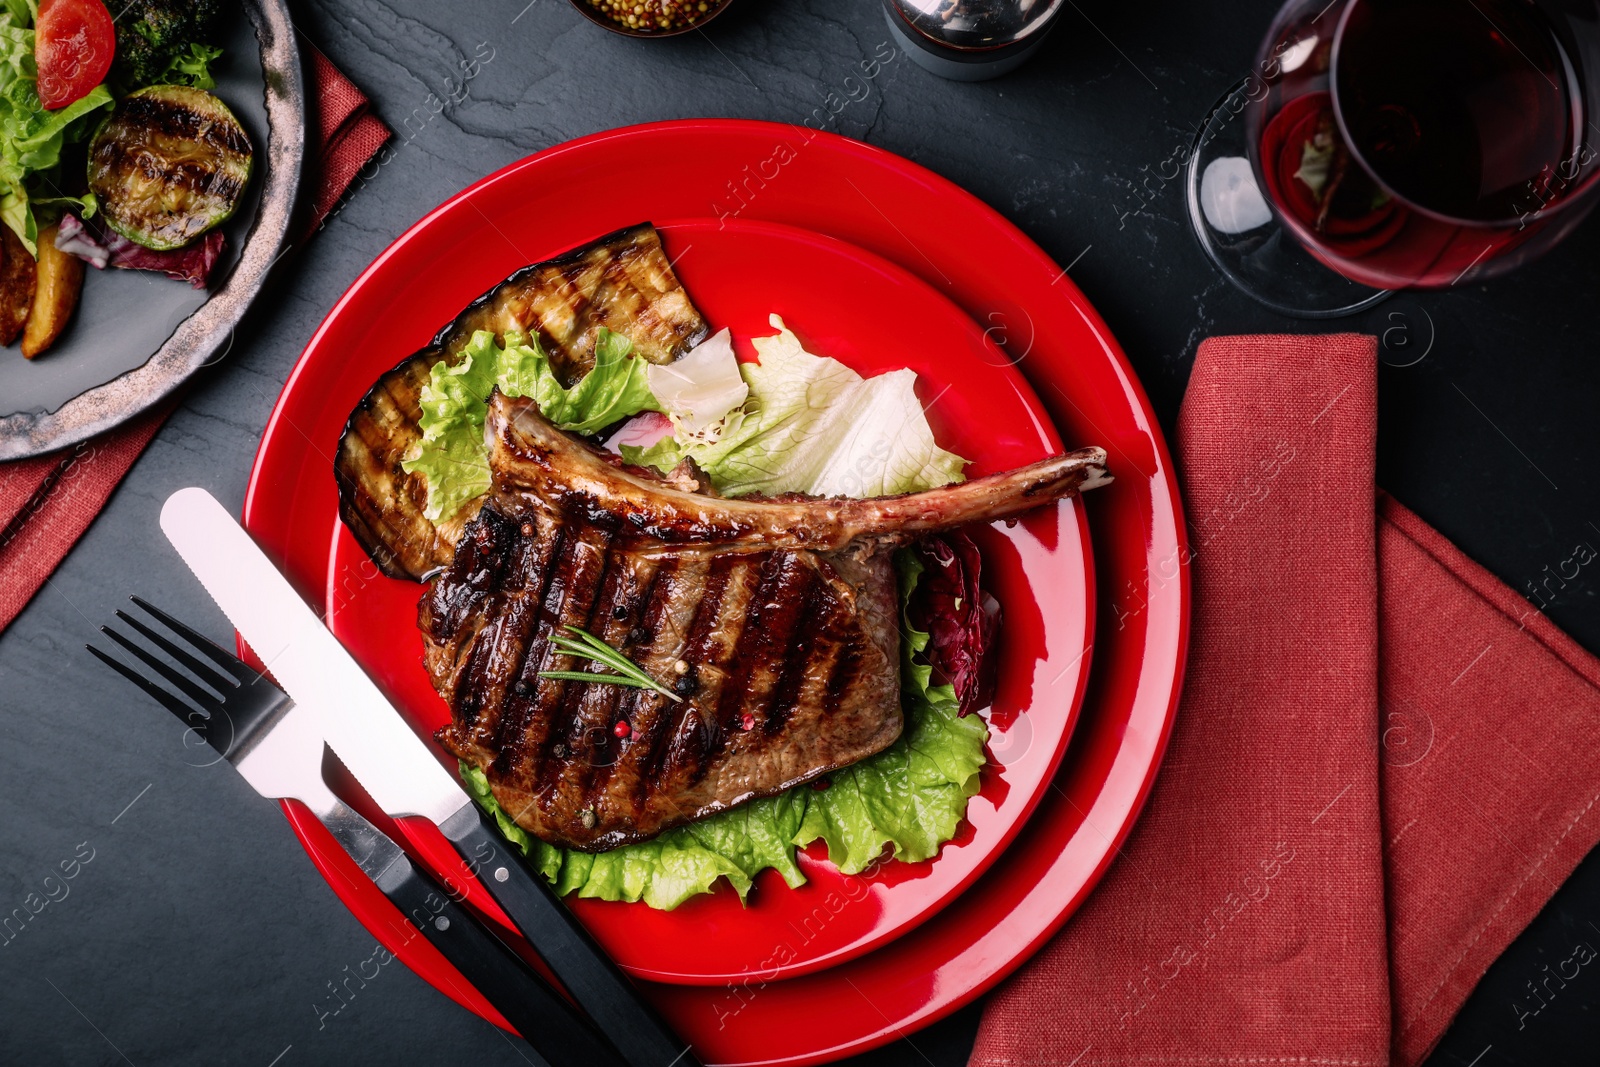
{"x": 397, "y": 768}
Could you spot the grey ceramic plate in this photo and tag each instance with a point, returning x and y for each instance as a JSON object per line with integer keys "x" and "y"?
{"x": 137, "y": 335}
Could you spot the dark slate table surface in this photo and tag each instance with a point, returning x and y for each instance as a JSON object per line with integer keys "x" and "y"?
{"x": 199, "y": 934}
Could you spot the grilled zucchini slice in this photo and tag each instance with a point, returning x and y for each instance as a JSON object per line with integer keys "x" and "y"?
{"x": 168, "y": 164}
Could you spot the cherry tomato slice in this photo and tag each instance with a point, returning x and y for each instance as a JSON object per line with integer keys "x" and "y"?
{"x": 73, "y": 45}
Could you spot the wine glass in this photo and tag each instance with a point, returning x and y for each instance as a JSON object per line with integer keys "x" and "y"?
{"x": 1391, "y": 144}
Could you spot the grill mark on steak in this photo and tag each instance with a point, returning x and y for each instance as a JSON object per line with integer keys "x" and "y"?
{"x": 793, "y": 599}
{"x": 760, "y": 638}
{"x": 575, "y": 578}
{"x": 652, "y": 720}
{"x": 785, "y": 611}
{"x": 527, "y": 594}
{"x": 604, "y": 756}
{"x": 846, "y": 669}
{"x": 816, "y": 621}
{"x": 701, "y": 734}
{"x": 643, "y": 709}
{"x": 461, "y": 613}
{"x": 674, "y": 606}
{"x": 602, "y": 706}
{"x": 714, "y": 644}
{"x": 650, "y": 715}
{"x": 586, "y": 707}
{"x": 533, "y": 576}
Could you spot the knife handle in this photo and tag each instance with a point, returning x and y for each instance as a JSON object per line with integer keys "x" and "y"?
{"x": 544, "y": 1019}
{"x": 597, "y": 984}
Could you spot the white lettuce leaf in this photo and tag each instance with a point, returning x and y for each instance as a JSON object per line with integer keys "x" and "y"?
{"x": 700, "y": 388}
{"x": 812, "y": 425}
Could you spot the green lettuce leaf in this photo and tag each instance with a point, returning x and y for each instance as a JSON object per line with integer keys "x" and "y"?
{"x": 911, "y": 796}
{"x": 616, "y": 388}
{"x": 192, "y": 67}
{"x": 455, "y": 403}
{"x": 812, "y": 425}
{"x": 31, "y": 138}
{"x": 667, "y": 870}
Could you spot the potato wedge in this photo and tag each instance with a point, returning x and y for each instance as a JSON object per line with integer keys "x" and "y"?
{"x": 17, "y": 272}
{"x": 55, "y": 297}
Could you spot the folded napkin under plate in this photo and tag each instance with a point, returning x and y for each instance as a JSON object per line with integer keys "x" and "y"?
{"x": 1380, "y": 771}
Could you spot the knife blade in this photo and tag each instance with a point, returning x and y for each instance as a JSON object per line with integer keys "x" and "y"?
{"x": 391, "y": 763}
{"x": 397, "y": 769}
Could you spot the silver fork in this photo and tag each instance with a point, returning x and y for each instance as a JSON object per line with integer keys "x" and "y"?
{"x": 279, "y": 749}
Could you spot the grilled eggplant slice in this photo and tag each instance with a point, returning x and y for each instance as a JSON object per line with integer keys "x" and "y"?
{"x": 623, "y": 282}
{"x": 170, "y": 163}
{"x": 380, "y": 503}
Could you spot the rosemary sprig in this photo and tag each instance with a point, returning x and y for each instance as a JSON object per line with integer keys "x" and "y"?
{"x": 585, "y": 645}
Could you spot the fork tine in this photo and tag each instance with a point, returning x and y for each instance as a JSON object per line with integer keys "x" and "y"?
{"x": 167, "y": 700}
{"x": 190, "y": 690}
{"x": 201, "y": 643}
{"x": 208, "y": 675}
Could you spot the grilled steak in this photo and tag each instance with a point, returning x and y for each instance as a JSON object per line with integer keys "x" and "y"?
{"x": 622, "y": 282}
{"x": 774, "y": 619}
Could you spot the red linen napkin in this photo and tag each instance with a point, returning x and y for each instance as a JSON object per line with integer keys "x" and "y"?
{"x": 347, "y": 131}
{"x": 47, "y": 502}
{"x": 1380, "y": 770}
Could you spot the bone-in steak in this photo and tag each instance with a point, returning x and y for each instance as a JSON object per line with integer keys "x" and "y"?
{"x": 775, "y": 619}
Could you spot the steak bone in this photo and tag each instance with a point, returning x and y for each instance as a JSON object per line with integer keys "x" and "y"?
{"x": 528, "y": 454}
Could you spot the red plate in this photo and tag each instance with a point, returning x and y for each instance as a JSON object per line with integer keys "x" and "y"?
{"x": 739, "y": 273}
{"x": 914, "y": 218}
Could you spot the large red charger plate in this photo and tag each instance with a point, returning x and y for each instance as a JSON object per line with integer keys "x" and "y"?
{"x": 910, "y": 216}
{"x": 874, "y": 317}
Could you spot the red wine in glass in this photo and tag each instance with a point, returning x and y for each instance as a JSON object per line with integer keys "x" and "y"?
{"x": 1424, "y": 143}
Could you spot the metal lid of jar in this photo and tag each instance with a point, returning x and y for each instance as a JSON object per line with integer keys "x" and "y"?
{"x": 976, "y": 25}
